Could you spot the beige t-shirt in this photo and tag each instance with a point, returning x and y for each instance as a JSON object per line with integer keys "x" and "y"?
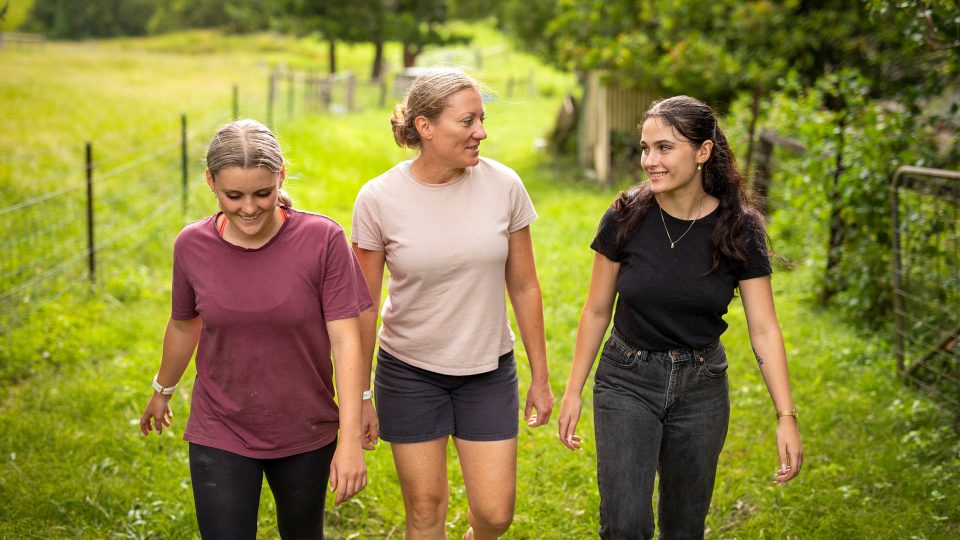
{"x": 446, "y": 248}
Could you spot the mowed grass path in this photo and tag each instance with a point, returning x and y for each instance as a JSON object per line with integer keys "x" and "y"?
{"x": 881, "y": 460}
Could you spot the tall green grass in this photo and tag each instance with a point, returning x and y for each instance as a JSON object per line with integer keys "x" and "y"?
{"x": 881, "y": 460}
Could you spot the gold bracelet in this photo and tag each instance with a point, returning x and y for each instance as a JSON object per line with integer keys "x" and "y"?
{"x": 788, "y": 412}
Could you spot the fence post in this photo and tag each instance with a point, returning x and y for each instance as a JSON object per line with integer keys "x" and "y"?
{"x": 91, "y": 246}
{"x": 383, "y": 91}
{"x": 351, "y": 87}
{"x": 236, "y": 103}
{"x": 183, "y": 159}
{"x": 290, "y": 95}
{"x": 271, "y": 89}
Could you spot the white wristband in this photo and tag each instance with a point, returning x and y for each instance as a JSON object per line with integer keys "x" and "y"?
{"x": 367, "y": 394}
{"x": 163, "y": 390}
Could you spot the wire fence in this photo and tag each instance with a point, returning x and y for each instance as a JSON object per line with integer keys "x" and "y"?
{"x": 118, "y": 193}
{"x": 56, "y": 240}
{"x": 126, "y": 189}
{"x": 926, "y": 273}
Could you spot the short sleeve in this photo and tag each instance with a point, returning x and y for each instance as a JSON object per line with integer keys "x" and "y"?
{"x": 758, "y": 258}
{"x": 343, "y": 290}
{"x": 522, "y": 212}
{"x": 365, "y": 230}
{"x": 605, "y": 242}
{"x": 184, "y": 298}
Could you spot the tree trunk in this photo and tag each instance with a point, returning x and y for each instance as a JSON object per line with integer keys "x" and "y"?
{"x": 377, "y": 70}
{"x": 838, "y": 229}
{"x": 410, "y": 53}
{"x": 332, "y": 48}
{"x": 754, "y": 113}
{"x": 762, "y": 174}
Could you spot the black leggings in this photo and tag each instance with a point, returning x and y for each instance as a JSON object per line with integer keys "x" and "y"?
{"x": 226, "y": 491}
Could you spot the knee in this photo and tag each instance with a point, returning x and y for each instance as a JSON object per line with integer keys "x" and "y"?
{"x": 494, "y": 521}
{"x": 426, "y": 511}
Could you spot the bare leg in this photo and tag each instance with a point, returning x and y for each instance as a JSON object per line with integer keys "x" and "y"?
{"x": 422, "y": 469}
{"x": 490, "y": 477}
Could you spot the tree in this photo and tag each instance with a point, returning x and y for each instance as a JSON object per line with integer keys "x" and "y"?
{"x": 236, "y": 16}
{"x": 417, "y": 24}
{"x": 68, "y": 19}
{"x": 722, "y": 48}
{"x": 414, "y": 23}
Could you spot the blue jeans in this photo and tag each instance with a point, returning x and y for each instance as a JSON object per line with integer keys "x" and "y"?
{"x": 658, "y": 411}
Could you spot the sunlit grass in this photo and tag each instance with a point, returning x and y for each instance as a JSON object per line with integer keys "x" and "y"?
{"x": 881, "y": 460}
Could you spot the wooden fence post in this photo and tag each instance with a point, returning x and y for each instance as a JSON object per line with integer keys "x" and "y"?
{"x": 290, "y": 95}
{"x": 351, "y": 86}
{"x": 271, "y": 91}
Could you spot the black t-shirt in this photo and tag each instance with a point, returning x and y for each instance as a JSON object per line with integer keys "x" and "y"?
{"x": 664, "y": 299}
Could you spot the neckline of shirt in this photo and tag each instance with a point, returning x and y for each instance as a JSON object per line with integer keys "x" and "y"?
{"x": 708, "y": 215}
{"x": 407, "y": 169}
{"x": 283, "y": 225}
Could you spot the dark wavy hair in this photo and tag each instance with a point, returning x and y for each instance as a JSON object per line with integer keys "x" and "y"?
{"x": 695, "y": 121}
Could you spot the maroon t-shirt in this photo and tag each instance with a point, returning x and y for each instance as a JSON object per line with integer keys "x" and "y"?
{"x": 264, "y": 386}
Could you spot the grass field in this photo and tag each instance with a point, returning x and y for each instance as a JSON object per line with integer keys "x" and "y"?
{"x": 881, "y": 460}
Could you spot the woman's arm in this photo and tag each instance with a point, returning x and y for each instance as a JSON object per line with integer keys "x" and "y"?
{"x": 348, "y": 472}
{"x": 594, "y": 320}
{"x": 179, "y": 341}
{"x": 371, "y": 263}
{"x": 767, "y": 342}
{"x": 526, "y": 298}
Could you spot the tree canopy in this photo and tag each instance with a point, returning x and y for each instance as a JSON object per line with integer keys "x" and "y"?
{"x": 725, "y": 47}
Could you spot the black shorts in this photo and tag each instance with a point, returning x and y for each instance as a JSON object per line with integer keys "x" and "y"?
{"x": 417, "y": 405}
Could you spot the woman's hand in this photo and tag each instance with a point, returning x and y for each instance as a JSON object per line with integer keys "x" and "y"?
{"x": 789, "y": 448}
{"x": 540, "y": 399}
{"x": 569, "y": 416}
{"x": 348, "y": 471}
{"x": 157, "y": 414}
{"x": 369, "y": 427}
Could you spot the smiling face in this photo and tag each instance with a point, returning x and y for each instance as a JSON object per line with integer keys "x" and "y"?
{"x": 453, "y": 139}
{"x": 248, "y": 199}
{"x": 669, "y": 159}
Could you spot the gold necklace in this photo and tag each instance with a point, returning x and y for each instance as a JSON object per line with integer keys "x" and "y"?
{"x": 666, "y": 230}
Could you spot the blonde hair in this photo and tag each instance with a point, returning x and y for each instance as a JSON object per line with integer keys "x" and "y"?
{"x": 247, "y": 144}
{"x": 427, "y": 97}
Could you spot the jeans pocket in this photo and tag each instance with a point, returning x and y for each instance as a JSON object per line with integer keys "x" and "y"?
{"x": 714, "y": 363}
{"x": 617, "y": 354}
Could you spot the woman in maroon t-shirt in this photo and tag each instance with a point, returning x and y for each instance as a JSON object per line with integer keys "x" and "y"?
{"x": 265, "y": 294}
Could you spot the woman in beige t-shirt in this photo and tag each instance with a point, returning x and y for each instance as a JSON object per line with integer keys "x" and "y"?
{"x": 454, "y": 230}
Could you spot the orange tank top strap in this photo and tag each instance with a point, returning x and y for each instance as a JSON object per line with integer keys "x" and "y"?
{"x": 223, "y": 224}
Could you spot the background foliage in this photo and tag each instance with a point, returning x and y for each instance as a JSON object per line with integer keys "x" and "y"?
{"x": 867, "y": 86}
{"x": 872, "y": 82}
{"x": 882, "y": 461}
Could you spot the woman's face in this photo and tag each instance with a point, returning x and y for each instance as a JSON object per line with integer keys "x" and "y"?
{"x": 454, "y": 138}
{"x": 669, "y": 159}
{"x": 248, "y": 198}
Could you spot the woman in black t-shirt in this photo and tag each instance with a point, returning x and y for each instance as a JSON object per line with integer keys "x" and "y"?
{"x": 672, "y": 252}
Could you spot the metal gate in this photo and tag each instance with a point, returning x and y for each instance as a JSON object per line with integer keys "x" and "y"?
{"x": 926, "y": 274}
